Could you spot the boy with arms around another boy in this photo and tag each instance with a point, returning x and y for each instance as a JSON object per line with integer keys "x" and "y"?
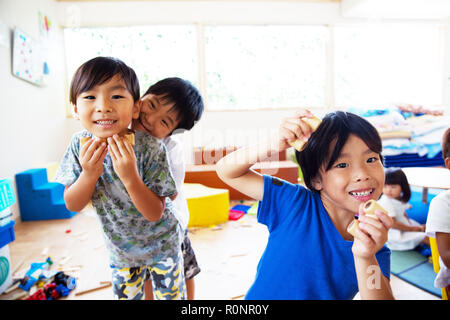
{"x": 169, "y": 105}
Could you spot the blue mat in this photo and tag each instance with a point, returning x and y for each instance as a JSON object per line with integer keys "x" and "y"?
{"x": 419, "y": 210}
{"x": 415, "y": 269}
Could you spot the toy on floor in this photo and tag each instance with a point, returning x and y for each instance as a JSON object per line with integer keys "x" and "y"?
{"x": 207, "y": 206}
{"x": 61, "y": 286}
{"x": 37, "y": 271}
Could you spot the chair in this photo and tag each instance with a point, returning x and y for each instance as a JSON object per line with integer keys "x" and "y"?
{"x": 435, "y": 259}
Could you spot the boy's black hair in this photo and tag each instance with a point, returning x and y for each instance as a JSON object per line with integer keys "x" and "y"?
{"x": 98, "y": 71}
{"x": 335, "y": 129}
{"x": 397, "y": 176}
{"x": 188, "y": 103}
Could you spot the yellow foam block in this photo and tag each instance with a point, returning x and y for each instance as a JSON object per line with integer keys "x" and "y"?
{"x": 51, "y": 170}
{"x": 207, "y": 206}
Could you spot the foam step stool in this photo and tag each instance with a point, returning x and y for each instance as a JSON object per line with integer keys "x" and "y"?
{"x": 207, "y": 206}
{"x": 40, "y": 199}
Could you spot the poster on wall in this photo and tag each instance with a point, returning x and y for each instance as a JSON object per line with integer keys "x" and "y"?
{"x": 27, "y": 58}
{"x": 45, "y": 25}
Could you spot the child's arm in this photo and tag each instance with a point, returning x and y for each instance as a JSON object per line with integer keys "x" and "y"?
{"x": 80, "y": 192}
{"x": 235, "y": 168}
{"x": 443, "y": 244}
{"x": 404, "y": 227}
{"x": 150, "y": 205}
{"x": 370, "y": 238}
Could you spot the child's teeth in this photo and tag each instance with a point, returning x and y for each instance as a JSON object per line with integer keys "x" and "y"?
{"x": 366, "y": 193}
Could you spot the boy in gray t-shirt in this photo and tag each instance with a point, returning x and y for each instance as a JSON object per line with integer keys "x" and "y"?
{"x": 128, "y": 185}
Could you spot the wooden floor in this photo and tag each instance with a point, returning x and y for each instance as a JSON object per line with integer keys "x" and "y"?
{"x": 227, "y": 254}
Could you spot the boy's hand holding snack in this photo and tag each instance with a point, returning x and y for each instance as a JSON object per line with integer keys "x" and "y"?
{"x": 92, "y": 154}
{"x": 370, "y": 231}
{"x": 295, "y": 131}
{"x": 123, "y": 159}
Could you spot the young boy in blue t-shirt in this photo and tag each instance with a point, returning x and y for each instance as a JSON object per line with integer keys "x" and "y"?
{"x": 309, "y": 253}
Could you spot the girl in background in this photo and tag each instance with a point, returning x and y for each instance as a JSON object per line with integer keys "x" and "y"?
{"x": 405, "y": 234}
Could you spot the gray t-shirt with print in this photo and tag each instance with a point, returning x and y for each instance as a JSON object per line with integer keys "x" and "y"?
{"x": 132, "y": 240}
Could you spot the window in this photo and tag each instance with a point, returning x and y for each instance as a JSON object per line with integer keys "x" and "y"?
{"x": 272, "y": 66}
{"x": 251, "y": 67}
{"x": 385, "y": 64}
{"x": 154, "y": 52}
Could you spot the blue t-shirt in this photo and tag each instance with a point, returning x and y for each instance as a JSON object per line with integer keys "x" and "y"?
{"x": 305, "y": 256}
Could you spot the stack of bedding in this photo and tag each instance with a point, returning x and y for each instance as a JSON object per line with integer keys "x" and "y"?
{"x": 410, "y": 139}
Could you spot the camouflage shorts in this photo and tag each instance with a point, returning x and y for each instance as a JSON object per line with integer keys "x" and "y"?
{"x": 167, "y": 280}
{"x": 191, "y": 268}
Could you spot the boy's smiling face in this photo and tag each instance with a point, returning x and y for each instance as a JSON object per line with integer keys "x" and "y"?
{"x": 106, "y": 109}
{"x": 157, "y": 116}
{"x": 356, "y": 177}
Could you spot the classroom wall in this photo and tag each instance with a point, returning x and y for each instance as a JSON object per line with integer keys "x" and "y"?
{"x": 33, "y": 125}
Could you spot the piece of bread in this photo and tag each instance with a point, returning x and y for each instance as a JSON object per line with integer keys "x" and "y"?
{"x": 299, "y": 144}
{"x": 127, "y": 134}
{"x": 369, "y": 210}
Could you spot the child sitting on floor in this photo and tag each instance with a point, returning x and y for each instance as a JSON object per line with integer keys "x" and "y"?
{"x": 406, "y": 233}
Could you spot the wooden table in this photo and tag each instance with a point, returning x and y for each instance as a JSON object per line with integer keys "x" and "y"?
{"x": 427, "y": 177}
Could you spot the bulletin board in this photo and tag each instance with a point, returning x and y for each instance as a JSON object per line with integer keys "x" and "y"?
{"x": 27, "y": 58}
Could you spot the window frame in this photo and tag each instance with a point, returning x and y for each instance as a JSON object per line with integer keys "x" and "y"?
{"x": 329, "y": 60}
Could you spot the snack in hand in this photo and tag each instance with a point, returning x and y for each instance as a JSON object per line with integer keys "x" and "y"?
{"x": 127, "y": 134}
{"x": 299, "y": 144}
{"x": 369, "y": 210}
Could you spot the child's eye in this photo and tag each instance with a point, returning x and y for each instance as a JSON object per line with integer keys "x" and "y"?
{"x": 116, "y": 96}
{"x": 89, "y": 97}
{"x": 372, "y": 159}
{"x": 164, "y": 122}
{"x": 341, "y": 165}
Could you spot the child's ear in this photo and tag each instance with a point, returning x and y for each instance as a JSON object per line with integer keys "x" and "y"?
{"x": 75, "y": 111}
{"x": 447, "y": 162}
{"x": 317, "y": 183}
{"x": 137, "y": 109}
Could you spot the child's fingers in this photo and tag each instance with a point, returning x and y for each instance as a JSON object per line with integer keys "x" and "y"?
{"x": 297, "y": 128}
{"x": 99, "y": 152}
{"x": 119, "y": 141}
{"x": 113, "y": 147}
{"x": 387, "y": 221}
{"x": 290, "y": 132}
{"x": 85, "y": 147}
{"x": 303, "y": 113}
{"x": 128, "y": 146}
{"x": 372, "y": 230}
{"x": 363, "y": 237}
{"x": 112, "y": 153}
{"x": 92, "y": 147}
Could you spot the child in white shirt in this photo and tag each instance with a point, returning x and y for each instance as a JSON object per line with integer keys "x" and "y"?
{"x": 438, "y": 223}
{"x": 406, "y": 233}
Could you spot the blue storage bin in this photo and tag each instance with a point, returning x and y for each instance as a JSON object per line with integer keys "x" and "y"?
{"x": 7, "y": 197}
{"x": 7, "y": 234}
